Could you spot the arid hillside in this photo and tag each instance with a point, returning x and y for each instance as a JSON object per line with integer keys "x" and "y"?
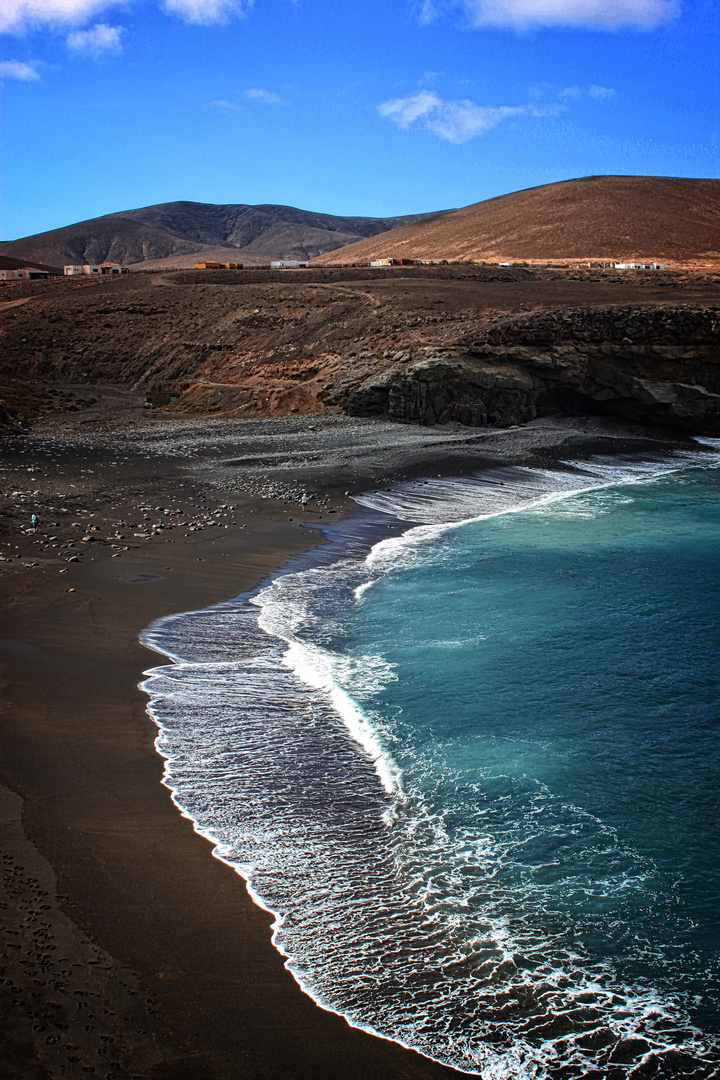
{"x": 623, "y": 218}
{"x": 476, "y": 345}
{"x": 181, "y": 233}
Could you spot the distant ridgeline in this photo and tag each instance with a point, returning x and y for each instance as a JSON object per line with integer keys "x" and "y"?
{"x": 186, "y": 233}
{"x": 624, "y": 221}
{"x": 629, "y": 222}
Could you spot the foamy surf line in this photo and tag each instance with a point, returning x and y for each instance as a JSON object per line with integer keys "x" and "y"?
{"x": 273, "y": 760}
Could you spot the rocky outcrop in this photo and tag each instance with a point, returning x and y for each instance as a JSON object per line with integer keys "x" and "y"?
{"x": 449, "y": 385}
{"x": 8, "y": 419}
{"x": 667, "y": 373}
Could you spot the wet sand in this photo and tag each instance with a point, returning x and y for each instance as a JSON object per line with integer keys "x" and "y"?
{"x": 139, "y": 953}
{"x": 129, "y": 951}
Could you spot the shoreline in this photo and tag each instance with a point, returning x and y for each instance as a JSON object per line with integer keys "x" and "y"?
{"x": 183, "y": 979}
{"x": 355, "y": 537}
{"x": 137, "y": 887}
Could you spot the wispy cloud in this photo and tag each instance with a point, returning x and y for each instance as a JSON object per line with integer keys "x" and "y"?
{"x": 427, "y": 11}
{"x": 590, "y": 14}
{"x": 263, "y": 97}
{"x": 19, "y": 16}
{"x": 18, "y": 69}
{"x": 561, "y": 96}
{"x": 99, "y": 39}
{"x": 207, "y": 12}
{"x": 454, "y": 121}
{"x": 602, "y": 93}
{"x": 254, "y": 96}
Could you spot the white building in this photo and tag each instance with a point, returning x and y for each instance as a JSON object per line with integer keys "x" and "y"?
{"x": 640, "y": 266}
{"x": 287, "y": 264}
{"x": 94, "y": 268}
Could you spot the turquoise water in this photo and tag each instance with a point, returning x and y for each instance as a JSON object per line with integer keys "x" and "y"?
{"x": 473, "y": 768}
{"x": 555, "y": 705}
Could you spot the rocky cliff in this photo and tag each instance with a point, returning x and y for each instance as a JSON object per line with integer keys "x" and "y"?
{"x": 658, "y": 367}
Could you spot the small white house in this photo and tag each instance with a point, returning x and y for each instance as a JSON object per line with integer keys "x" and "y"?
{"x": 9, "y": 275}
{"x": 70, "y": 271}
{"x": 287, "y": 264}
{"x": 640, "y": 266}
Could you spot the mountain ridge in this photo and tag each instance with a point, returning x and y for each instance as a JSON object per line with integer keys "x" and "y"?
{"x": 675, "y": 220}
{"x": 249, "y": 233}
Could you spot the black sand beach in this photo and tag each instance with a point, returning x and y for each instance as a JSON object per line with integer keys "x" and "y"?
{"x": 129, "y": 951}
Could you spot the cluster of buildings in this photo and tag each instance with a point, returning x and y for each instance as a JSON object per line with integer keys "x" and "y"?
{"x": 34, "y": 273}
{"x": 394, "y": 262}
{"x": 433, "y": 262}
{"x": 112, "y": 268}
{"x": 281, "y": 264}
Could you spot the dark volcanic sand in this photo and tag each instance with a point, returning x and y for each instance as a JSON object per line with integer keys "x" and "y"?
{"x": 129, "y": 951}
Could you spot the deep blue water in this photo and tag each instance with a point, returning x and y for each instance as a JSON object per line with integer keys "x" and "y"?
{"x": 474, "y": 772}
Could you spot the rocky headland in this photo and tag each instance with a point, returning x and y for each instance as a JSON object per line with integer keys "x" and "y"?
{"x": 657, "y": 367}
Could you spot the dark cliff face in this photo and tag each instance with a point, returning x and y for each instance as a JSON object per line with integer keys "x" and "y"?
{"x": 658, "y": 366}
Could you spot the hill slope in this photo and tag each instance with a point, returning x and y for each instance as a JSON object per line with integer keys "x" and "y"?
{"x": 254, "y": 234}
{"x": 628, "y": 218}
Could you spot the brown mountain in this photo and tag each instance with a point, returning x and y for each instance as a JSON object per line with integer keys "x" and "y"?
{"x": 179, "y": 232}
{"x": 623, "y": 218}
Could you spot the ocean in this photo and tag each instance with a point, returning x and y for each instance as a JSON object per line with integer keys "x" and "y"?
{"x": 467, "y": 754}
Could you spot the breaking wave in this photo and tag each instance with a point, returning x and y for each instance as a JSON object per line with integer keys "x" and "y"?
{"x": 415, "y": 929}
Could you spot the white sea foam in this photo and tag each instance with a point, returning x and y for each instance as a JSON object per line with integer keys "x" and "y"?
{"x": 274, "y": 751}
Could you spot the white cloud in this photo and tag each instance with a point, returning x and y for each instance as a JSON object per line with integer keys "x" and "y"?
{"x": 548, "y": 92}
{"x": 427, "y": 12}
{"x": 17, "y": 69}
{"x": 263, "y": 97}
{"x": 602, "y": 93}
{"x": 591, "y": 14}
{"x": 404, "y": 111}
{"x": 260, "y": 97}
{"x": 99, "y": 39}
{"x": 16, "y": 16}
{"x": 455, "y": 121}
{"x": 207, "y": 12}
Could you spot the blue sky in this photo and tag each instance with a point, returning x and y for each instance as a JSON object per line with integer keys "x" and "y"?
{"x": 377, "y": 108}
